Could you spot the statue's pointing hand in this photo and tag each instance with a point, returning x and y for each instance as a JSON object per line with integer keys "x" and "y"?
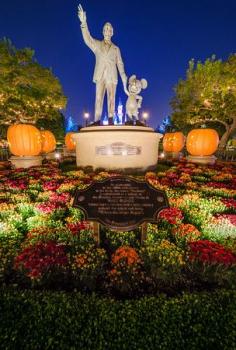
{"x": 81, "y": 14}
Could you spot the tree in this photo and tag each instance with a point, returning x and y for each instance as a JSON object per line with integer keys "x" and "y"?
{"x": 207, "y": 95}
{"x": 28, "y": 91}
{"x": 55, "y": 125}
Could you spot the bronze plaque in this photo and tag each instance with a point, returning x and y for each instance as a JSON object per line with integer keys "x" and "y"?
{"x": 121, "y": 203}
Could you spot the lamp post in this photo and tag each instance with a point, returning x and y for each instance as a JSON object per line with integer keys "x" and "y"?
{"x": 145, "y": 117}
{"x": 86, "y": 118}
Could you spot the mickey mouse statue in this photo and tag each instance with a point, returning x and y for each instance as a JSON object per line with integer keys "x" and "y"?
{"x": 134, "y": 100}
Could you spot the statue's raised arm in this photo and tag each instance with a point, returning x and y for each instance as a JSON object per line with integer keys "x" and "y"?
{"x": 88, "y": 39}
{"x": 82, "y": 14}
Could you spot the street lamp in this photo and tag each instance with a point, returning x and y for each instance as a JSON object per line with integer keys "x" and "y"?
{"x": 86, "y": 118}
{"x": 145, "y": 117}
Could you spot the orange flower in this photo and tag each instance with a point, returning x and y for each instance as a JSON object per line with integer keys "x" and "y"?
{"x": 125, "y": 254}
{"x": 81, "y": 260}
{"x": 190, "y": 232}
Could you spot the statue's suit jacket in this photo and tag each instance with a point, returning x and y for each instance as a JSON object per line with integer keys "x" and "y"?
{"x": 107, "y": 62}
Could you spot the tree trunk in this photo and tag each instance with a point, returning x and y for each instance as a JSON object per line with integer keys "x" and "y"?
{"x": 224, "y": 139}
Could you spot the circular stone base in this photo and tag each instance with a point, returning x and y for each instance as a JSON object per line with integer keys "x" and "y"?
{"x": 121, "y": 148}
{"x": 26, "y": 161}
{"x": 202, "y": 159}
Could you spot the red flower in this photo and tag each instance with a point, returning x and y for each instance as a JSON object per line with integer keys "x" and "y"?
{"x": 78, "y": 226}
{"x": 211, "y": 253}
{"x": 40, "y": 258}
{"x": 171, "y": 215}
{"x": 230, "y": 203}
{"x": 214, "y": 184}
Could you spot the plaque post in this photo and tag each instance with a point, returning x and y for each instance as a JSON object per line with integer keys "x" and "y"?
{"x": 96, "y": 232}
{"x": 144, "y": 228}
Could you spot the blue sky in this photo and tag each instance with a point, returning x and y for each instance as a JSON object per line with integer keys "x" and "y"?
{"x": 156, "y": 38}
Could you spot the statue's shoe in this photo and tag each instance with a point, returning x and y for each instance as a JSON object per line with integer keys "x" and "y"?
{"x": 110, "y": 121}
{"x": 129, "y": 122}
{"x": 138, "y": 123}
{"x": 97, "y": 123}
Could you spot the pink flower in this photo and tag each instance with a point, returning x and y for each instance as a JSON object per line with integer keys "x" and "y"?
{"x": 61, "y": 198}
{"x": 48, "y": 207}
{"x": 50, "y": 185}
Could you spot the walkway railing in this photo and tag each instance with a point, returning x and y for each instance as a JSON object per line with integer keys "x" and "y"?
{"x": 228, "y": 155}
{"x": 4, "y": 154}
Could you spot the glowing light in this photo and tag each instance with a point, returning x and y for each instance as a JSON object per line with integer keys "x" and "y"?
{"x": 57, "y": 155}
{"x": 162, "y": 155}
{"x": 86, "y": 118}
{"x": 145, "y": 115}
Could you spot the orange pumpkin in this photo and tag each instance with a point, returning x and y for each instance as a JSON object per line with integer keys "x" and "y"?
{"x": 173, "y": 142}
{"x": 24, "y": 140}
{"x": 202, "y": 142}
{"x": 48, "y": 141}
{"x": 70, "y": 143}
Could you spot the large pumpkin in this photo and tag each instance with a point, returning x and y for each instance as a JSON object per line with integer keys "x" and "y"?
{"x": 70, "y": 143}
{"x": 48, "y": 141}
{"x": 202, "y": 142}
{"x": 173, "y": 142}
{"x": 24, "y": 140}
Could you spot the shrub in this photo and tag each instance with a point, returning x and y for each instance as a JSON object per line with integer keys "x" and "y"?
{"x": 58, "y": 320}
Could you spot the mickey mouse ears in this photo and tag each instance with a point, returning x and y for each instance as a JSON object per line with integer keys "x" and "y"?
{"x": 144, "y": 83}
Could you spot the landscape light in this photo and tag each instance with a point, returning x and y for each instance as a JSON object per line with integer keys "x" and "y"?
{"x": 86, "y": 118}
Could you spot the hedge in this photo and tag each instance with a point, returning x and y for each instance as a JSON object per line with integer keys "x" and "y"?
{"x": 58, "y": 320}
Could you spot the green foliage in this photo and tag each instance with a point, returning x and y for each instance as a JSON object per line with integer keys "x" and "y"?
{"x": 10, "y": 240}
{"x": 28, "y": 91}
{"x": 163, "y": 261}
{"x": 207, "y": 95}
{"x": 88, "y": 268}
{"x": 219, "y": 275}
{"x": 49, "y": 320}
{"x": 56, "y": 126}
{"x": 117, "y": 239}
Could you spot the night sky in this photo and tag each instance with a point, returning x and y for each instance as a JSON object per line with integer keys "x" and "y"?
{"x": 156, "y": 38}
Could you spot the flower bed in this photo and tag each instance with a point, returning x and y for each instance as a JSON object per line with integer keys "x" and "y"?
{"x": 45, "y": 242}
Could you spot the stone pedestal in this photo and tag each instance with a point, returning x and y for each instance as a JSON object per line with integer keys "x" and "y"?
{"x": 68, "y": 153}
{"x": 50, "y": 156}
{"x": 202, "y": 159}
{"x": 173, "y": 155}
{"x": 121, "y": 148}
{"x": 26, "y": 161}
